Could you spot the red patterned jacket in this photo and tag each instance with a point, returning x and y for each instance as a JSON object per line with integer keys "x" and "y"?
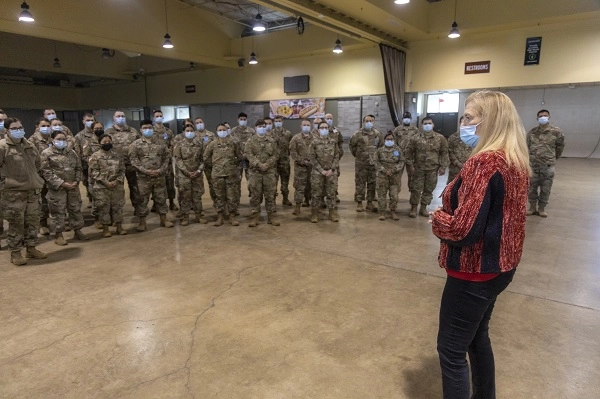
{"x": 482, "y": 223}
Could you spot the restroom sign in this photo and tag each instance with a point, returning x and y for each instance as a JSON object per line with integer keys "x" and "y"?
{"x": 477, "y": 67}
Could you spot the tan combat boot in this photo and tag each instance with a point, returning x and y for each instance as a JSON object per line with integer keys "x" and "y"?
{"x": 121, "y": 230}
{"x": 142, "y": 226}
{"x": 423, "y": 211}
{"x": 219, "y": 221}
{"x": 314, "y": 215}
{"x": 532, "y": 209}
{"x": 106, "y": 232}
{"x": 33, "y": 253}
{"x": 164, "y": 222}
{"x": 232, "y": 220}
{"x": 97, "y": 223}
{"x": 381, "y": 215}
{"x": 200, "y": 218}
{"x": 272, "y": 219}
{"x": 59, "y": 239}
{"x": 359, "y": 207}
{"x": 393, "y": 214}
{"x": 297, "y": 208}
{"x": 371, "y": 207}
{"x": 333, "y": 215}
{"x": 16, "y": 258}
{"x": 185, "y": 220}
{"x": 413, "y": 211}
{"x": 285, "y": 200}
{"x": 44, "y": 227}
{"x": 542, "y": 211}
{"x": 253, "y": 219}
{"x": 78, "y": 235}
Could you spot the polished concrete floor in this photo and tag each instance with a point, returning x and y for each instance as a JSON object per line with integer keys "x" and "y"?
{"x": 327, "y": 310}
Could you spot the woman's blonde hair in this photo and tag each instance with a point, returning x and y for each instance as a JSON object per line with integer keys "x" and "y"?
{"x": 501, "y": 127}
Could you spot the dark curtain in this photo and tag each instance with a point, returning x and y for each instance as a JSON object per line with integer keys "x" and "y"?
{"x": 394, "y": 65}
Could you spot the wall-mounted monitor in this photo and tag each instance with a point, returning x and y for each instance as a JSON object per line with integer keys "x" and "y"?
{"x": 296, "y": 84}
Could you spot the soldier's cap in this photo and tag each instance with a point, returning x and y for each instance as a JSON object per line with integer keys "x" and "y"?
{"x": 407, "y": 115}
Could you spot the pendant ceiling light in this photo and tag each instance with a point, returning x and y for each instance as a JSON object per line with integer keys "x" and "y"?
{"x": 259, "y": 25}
{"x": 167, "y": 43}
{"x": 338, "y": 47}
{"x": 25, "y": 15}
{"x": 253, "y": 60}
{"x": 454, "y": 33}
{"x": 402, "y": 1}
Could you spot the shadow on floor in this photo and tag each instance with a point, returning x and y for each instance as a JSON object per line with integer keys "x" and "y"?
{"x": 424, "y": 382}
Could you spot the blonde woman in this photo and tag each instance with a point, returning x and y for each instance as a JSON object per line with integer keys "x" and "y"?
{"x": 482, "y": 227}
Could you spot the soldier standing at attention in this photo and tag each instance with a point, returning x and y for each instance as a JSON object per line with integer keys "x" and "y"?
{"x": 242, "y": 133}
{"x": 546, "y": 143}
{"x": 41, "y": 139}
{"x": 206, "y": 136}
{"x": 107, "y": 175}
{"x": 50, "y": 114}
{"x": 223, "y": 155}
{"x": 389, "y": 162}
{"x": 165, "y": 135}
{"x": 325, "y": 158}
{"x": 2, "y": 135}
{"x": 151, "y": 160}
{"x": 458, "y": 152}
{"x": 402, "y": 134}
{"x": 337, "y": 135}
{"x": 90, "y": 147}
{"x": 122, "y": 136}
{"x": 262, "y": 151}
{"x": 363, "y": 144}
{"x": 283, "y": 137}
{"x": 20, "y": 185}
{"x": 299, "y": 151}
{"x": 80, "y": 141}
{"x": 188, "y": 155}
{"x": 427, "y": 157}
{"x": 61, "y": 168}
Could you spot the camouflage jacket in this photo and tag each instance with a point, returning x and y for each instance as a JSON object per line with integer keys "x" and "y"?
{"x": 242, "y": 134}
{"x": 19, "y": 166}
{"x": 59, "y": 166}
{"x": 40, "y": 141}
{"x": 86, "y": 143}
{"x": 223, "y": 156}
{"x": 164, "y": 135}
{"x": 122, "y": 137}
{"x": 402, "y": 134}
{"x": 458, "y": 151}
{"x": 339, "y": 138}
{"x": 546, "y": 144}
{"x": 283, "y": 137}
{"x": 262, "y": 150}
{"x": 106, "y": 167}
{"x": 300, "y": 148}
{"x": 188, "y": 156}
{"x": 427, "y": 151}
{"x": 324, "y": 154}
{"x": 363, "y": 144}
{"x": 389, "y": 158}
{"x": 147, "y": 154}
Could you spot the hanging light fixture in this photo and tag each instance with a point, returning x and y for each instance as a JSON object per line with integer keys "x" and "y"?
{"x": 259, "y": 25}
{"x": 253, "y": 60}
{"x": 25, "y": 15}
{"x": 402, "y": 1}
{"x": 56, "y": 63}
{"x": 167, "y": 43}
{"x": 338, "y": 47}
{"x": 454, "y": 33}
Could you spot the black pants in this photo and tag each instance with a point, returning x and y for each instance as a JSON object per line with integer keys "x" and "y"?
{"x": 465, "y": 314}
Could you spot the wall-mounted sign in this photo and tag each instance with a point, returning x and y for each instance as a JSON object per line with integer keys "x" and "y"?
{"x": 190, "y": 88}
{"x": 298, "y": 108}
{"x": 477, "y": 67}
{"x": 533, "y": 47}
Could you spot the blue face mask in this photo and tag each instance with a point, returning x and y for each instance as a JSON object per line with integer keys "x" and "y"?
{"x": 329, "y": 122}
{"x": 17, "y": 133}
{"x": 542, "y": 120}
{"x": 261, "y": 131}
{"x": 57, "y": 128}
{"x": 1, "y": 125}
{"x": 159, "y": 119}
{"x": 200, "y": 126}
{"x": 324, "y": 132}
{"x": 468, "y": 136}
{"x": 278, "y": 125}
{"x": 269, "y": 127}
{"x": 222, "y": 133}
{"x": 406, "y": 121}
{"x": 427, "y": 128}
{"x": 305, "y": 129}
{"x": 60, "y": 144}
{"x": 120, "y": 120}
{"x": 148, "y": 132}
{"x": 389, "y": 143}
{"x": 45, "y": 130}
{"x": 88, "y": 124}
{"x": 368, "y": 125}
{"x": 189, "y": 135}
{"x": 243, "y": 122}
{"x": 51, "y": 116}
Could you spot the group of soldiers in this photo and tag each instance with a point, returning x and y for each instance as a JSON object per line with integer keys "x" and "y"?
{"x": 40, "y": 176}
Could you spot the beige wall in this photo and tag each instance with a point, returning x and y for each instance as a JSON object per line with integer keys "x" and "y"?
{"x": 37, "y": 97}
{"x": 569, "y": 55}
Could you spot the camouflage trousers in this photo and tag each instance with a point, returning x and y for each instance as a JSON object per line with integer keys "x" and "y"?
{"x": 109, "y": 204}
{"x": 387, "y": 185}
{"x": 170, "y": 181}
{"x": 134, "y": 192}
{"x": 190, "y": 194}
{"x": 423, "y": 184}
{"x": 364, "y": 176}
{"x": 540, "y": 184}
{"x": 21, "y": 209}
{"x": 320, "y": 184}
{"x": 155, "y": 186}
{"x": 61, "y": 200}
{"x": 283, "y": 175}
{"x": 211, "y": 188}
{"x": 227, "y": 193}
{"x": 86, "y": 179}
{"x": 262, "y": 185}
{"x": 302, "y": 183}
{"x": 243, "y": 170}
{"x": 453, "y": 171}
{"x": 44, "y": 211}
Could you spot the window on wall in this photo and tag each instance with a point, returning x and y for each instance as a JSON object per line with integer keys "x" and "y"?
{"x": 445, "y": 102}
{"x": 183, "y": 112}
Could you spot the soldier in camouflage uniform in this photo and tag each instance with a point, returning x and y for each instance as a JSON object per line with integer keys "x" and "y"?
{"x": 458, "y": 152}
{"x": 403, "y": 134}
{"x": 325, "y": 158}
{"x": 82, "y": 140}
{"x": 262, "y": 151}
{"x": 389, "y": 162}
{"x": 41, "y": 140}
{"x": 107, "y": 176}
{"x": 206, "y": 136}
{"x": 427, "y": 158}
{"x": 90, "y": 146}
{"x": 20, "y": 184}
{"x": 339, "y": 138}
{"x": 165, "y": 135}
{"x": 283, "y": 137}
{"x": 122, "y": 136}
{"x": 242, "y": 133}
{"x": 363, "y": 144}
{"x": 546, "y": 143}
{"x": 61, "y": 168}
{"x": 299, "y": 151}
{"x": 189, "y": 164}
{"x": 223, "y": 155}
{"x": 151, "y": 160}
{"x": 50, "y": 114}
{"x": 2, "y": 135}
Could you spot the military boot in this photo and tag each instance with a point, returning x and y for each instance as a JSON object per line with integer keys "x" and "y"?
{"x": 142, "y": 226}
{"x": 314, "y": 215}
{"x": 542, "y": 211}
{"x": 106, "y": 232}
{"x": 97, "y": 223}
{"x": 359, "y": 207}
{"x": 371, "y": 207}
{"x": 185, "y": 220}
{"x": 337, "y": 198}
{"x": 200, "y": 218}
{"x": 232, "y": 219}
{"x": 164, "y": 222}
{"x": 413, "y": 211}
{"x": 297, "y": 208}
{"x": 219, "y": 221}
{"x": 44, "y": 227}
{"x": 172, "y": 205}
{"x": 59, "y": 239}
{"x": 381, "y": 215}
{"x": 333, "y": 215}
{"x": 17, "y": 259}
{"x": 532, "y": 209}
{"x": 393, "y": 214}
{"x": 78, "y": 235}
{"x": 272, "y": 219}
{"x": 253, "y": 219}
{"x": 423, "y": 211}
{"x": 120, "y": 230}
{"x": 286, "y": 200}
{"x": 33, "y": 253}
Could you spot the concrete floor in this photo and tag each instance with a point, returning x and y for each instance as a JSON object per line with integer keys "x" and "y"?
{"x": 332, "y": 310}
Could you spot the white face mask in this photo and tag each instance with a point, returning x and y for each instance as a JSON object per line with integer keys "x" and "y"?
{"x": 51, "y": 116}
{"x": 305, "y": 129}
{"x": 57, "y": 128}
{"x": 159, "y": 119}
{"x": 200, "y": 126}
{"x": 88, "y": 124}
{"x": 120, "y": 120}
{"x": 243, "y": 122}
{"x": 189, "y": 135}
{"x": 428, "y": 127}
{"x": 324, "y": 132}
{"x": 261, "y": 131}
{"x": 329, "y": 122}
{"x": 406, "y": 121}
{"x": 543, "y": 120}
{"x": 278, "y": 125}
{"x": 222, "y": 133}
